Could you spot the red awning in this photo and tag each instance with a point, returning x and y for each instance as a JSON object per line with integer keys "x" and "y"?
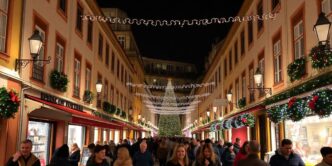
{"x": 79, "y": 117}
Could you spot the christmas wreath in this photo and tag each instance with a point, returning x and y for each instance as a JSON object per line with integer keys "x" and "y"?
{"x": 59, "y": 81}
{"x": 236, "y": 122}
{"x": 247, "y": 119}
{"x": 88, "y": 96}
{"x": 218, "y": 126}
{"x": 296, "y": 69}
{"x": 242, "y": 102}
{"x": 9, "y": 103}
{"x": 226, "y": 124}
{"x": 320, "y": 57}
{"x": 277, "y": 114}
{"x": 213, "y": 128}
{"x": 296, "y": 109}
{"x": 321, "y": 102}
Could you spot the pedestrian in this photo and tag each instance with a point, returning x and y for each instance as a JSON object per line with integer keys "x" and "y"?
{"x": 252, "y": 158}
{"x": 242, "y": 153}
{"x": 143, "y": 157}
{"x": 228, "y": 156}
{"x": 285, "y": 156}
{"x": 207, "y": 157}
{"x": 237, "y": 145}
{"x": 162, "y": 152}
{"x": 327, "y": 156}
{"x": 179, "y": 157}
{"x": 123, "y": 158}
{"x": 108, "y": 158}
{"x": 61, "y": 156}
{"x": 220, "y": 148}
{"x": 75, "y": 155}
{"x": 98, "y": 158}
{"x": 24, "y": 156}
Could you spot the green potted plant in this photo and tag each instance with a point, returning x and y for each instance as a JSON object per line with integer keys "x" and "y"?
{"x": 58, "y": 81}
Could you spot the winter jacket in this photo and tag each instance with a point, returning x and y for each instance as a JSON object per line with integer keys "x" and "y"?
{"x": 279, "y": 160}
{"x": 141, "y": 159}
{"x": 32, "y": 160}
{"x": 74, "y": 158}
{"x": 251, "y": 160}
{"x": 322, "y": 164}
{"x": 227, "y": 158}
{"x": 236, "y": 148}
{"x": 239, "y": 156}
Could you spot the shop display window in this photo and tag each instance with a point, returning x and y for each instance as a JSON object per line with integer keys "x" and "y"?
{"x": 39, "y": 134}
{"x": 308, "y": 136}
{"x": 96, "y": 134}
{"x": 105, "y": 136}
{"x": 76, "y": 134}
{"x": 116, "y": 136}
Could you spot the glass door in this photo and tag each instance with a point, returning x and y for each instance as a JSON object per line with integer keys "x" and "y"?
{"x": 39, "y": 133}
{"x": 76, "y": 134}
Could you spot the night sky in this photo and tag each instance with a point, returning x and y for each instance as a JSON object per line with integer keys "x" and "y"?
{"x": 188, "y": 44}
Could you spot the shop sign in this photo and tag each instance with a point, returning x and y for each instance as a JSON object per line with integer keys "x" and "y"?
{"x": 220, "y": 102}
{"x": 62, "y": 102}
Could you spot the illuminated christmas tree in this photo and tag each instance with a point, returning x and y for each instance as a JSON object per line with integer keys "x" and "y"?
{"x": 169, "y": 124}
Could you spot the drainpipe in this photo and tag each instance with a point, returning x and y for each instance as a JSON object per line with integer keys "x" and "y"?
{"x": 21, "y": 118}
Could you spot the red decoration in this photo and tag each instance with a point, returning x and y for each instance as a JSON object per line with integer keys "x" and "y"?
{"x": 291, "y": 102}
{"x": 13, "y": 97}
{"x": 244, "y": 120}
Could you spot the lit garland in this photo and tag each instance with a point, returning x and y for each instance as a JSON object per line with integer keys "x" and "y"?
{"x": 187, "y": 86}
{"x": 278, "y": 113}
{"x": 296, "y": 69}
{"x": 172, "y": 98}
{"x": 9, "y": 103}
{"x": 177, "y": 103}
{"x": 242, "y": 102}
{"x": 179, "y": 23}
{"x": 320, "y": 57}
{"x": 297, "y": 109}
{"x": 236, "y": 122}
{"x": 226, "y": 124}
{"x": 247, "y": 119}
{"x": 321, "y": 102}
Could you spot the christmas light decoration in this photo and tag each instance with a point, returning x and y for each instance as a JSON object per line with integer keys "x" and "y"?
{"x": 172, "y": 97}
{"x": 320, "y": 57}
{"x": 296, "y": 109}
{"x": 247, "y": 119}
{"x": 296, "y": 70}
{"x": 179, "y": 23}
{"x": 186, "y": 86}
{"x": 321, "y": 102}
{"x": 9, "y": 103}
{"x": 278, "y": 113}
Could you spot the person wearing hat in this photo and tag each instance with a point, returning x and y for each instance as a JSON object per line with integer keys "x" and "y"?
{"x": 327, "y": 156}
{"x": 98, "y": 159}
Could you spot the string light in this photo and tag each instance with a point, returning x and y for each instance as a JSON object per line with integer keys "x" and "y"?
{"x": 178, "y": 103}
{"x": 173, "y": 98}
{"x": 178, "y": 22}
{"x": 186, "y": 86}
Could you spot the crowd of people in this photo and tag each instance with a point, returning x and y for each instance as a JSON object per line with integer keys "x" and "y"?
{"x": 169, "y": 152}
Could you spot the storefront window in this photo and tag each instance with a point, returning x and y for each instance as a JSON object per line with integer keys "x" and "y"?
{"x": 76, "y": 134}
{"x": 124, "y": 134}
{"x": 104, "y": 136}
{"x": 111, "y": 134}
{"x": 308, "y": 136}
{"x": 116, "y": 136}
{"x": 95, "y": 138}
{"x": 39, "y": 134}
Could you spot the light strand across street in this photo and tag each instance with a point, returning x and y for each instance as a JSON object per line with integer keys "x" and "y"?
{"x": 186, "y": 86}
{"x": 178, "y": 104}
{"x": 178, "y": 22}
{"x": 170, "y": 98}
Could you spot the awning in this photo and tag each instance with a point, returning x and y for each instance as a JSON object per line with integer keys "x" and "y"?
{"x": 79, "y": 117}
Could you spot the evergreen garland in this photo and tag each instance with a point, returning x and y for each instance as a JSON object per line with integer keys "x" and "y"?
{"x": 247, "y": 119}
{"x": 58, "y": 81}
{"x": 296, "y": 109}
{"x": 296, "y": 69}
{"x": 278, "y": 113}
{"x": 226, "y": 124}
{"x": 236, "y": 122}
{"x": 213, "y": 128}
{"x": 321, "y": 102}
{"x": 320, "y": 57}
{"x": 88, "y": 96}
{"x": 107, "y": 107}
{"x": 9, "y": 103}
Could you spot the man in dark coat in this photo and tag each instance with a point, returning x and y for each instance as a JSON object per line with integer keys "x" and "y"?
{"x": 285, "y": 155}
{"x": 24, "y": 156}
{"x": 237, "y": 145}
{"x": 143, "y": 157}
{"x": 252, "y": 158}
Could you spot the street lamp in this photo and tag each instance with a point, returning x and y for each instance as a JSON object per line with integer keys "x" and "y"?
{"x": 214, "y": 112}
{"x": 208, "y": 113}
{"x": 139, "y": 116}
{"x": 99, "y": 86}
{"x": 322, "y": 28}
{"x": 35, "y": 44}
{"x": 258, "y": 77}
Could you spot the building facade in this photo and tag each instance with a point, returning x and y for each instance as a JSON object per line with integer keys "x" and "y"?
{"x": 270, "y": 46}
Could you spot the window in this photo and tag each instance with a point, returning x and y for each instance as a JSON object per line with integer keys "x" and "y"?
{"x": 106, "y": 91}
{"x": 118, "y": 68}
{"x": 59, "y": 57}
{"x": 63, "y": 6}
{"x": 99, "y": 78}
{"x": 250, "y": 32}
{"x": 122, "y": 41}
{"x": 122, "y": 69}
{"x": 260, "y": 13}
{"x": 251, "y": 83}
{"x": 117, "y": 98}
{"x": 242, "y": 43}
{"x": 230, "y": 60}
{"x": 100, "y": 46}
{"x": 38, "y": 67}
{"x": 326, "y": 6}
{"x": 236, "y": 52}
{"x": 113, "y": 62}
{"x": 89, "y": 32}
{"x": 225, "y": 68}
{"x": 112, "y": 94}
{"x": 88, "y": 77}
{"x": 169, "y": 68}
{"x": 77, "y": 76}
{"x": 275, "y": 3}
{"x": 107, "y": 58}
{"x": 277, "y": 61}
{"x": 3, "y": 24}
{"x": 237, "y": 90}
{"x": 219, "y": 73}
{"x": 244, "y": 86}
{"x": 79, "y": 21}
{"x": 262, "y": 68}
{"x": 298, "y": 40}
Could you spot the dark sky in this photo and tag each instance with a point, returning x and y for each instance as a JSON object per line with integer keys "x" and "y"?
{"x": 188, "y": 44}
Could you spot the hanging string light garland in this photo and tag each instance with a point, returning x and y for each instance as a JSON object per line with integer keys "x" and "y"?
{"x": 180, "y": 98}
{"x": 186, "y": 86}
{"x": 177, "y": 22}
{"x": 178, "y": 104}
